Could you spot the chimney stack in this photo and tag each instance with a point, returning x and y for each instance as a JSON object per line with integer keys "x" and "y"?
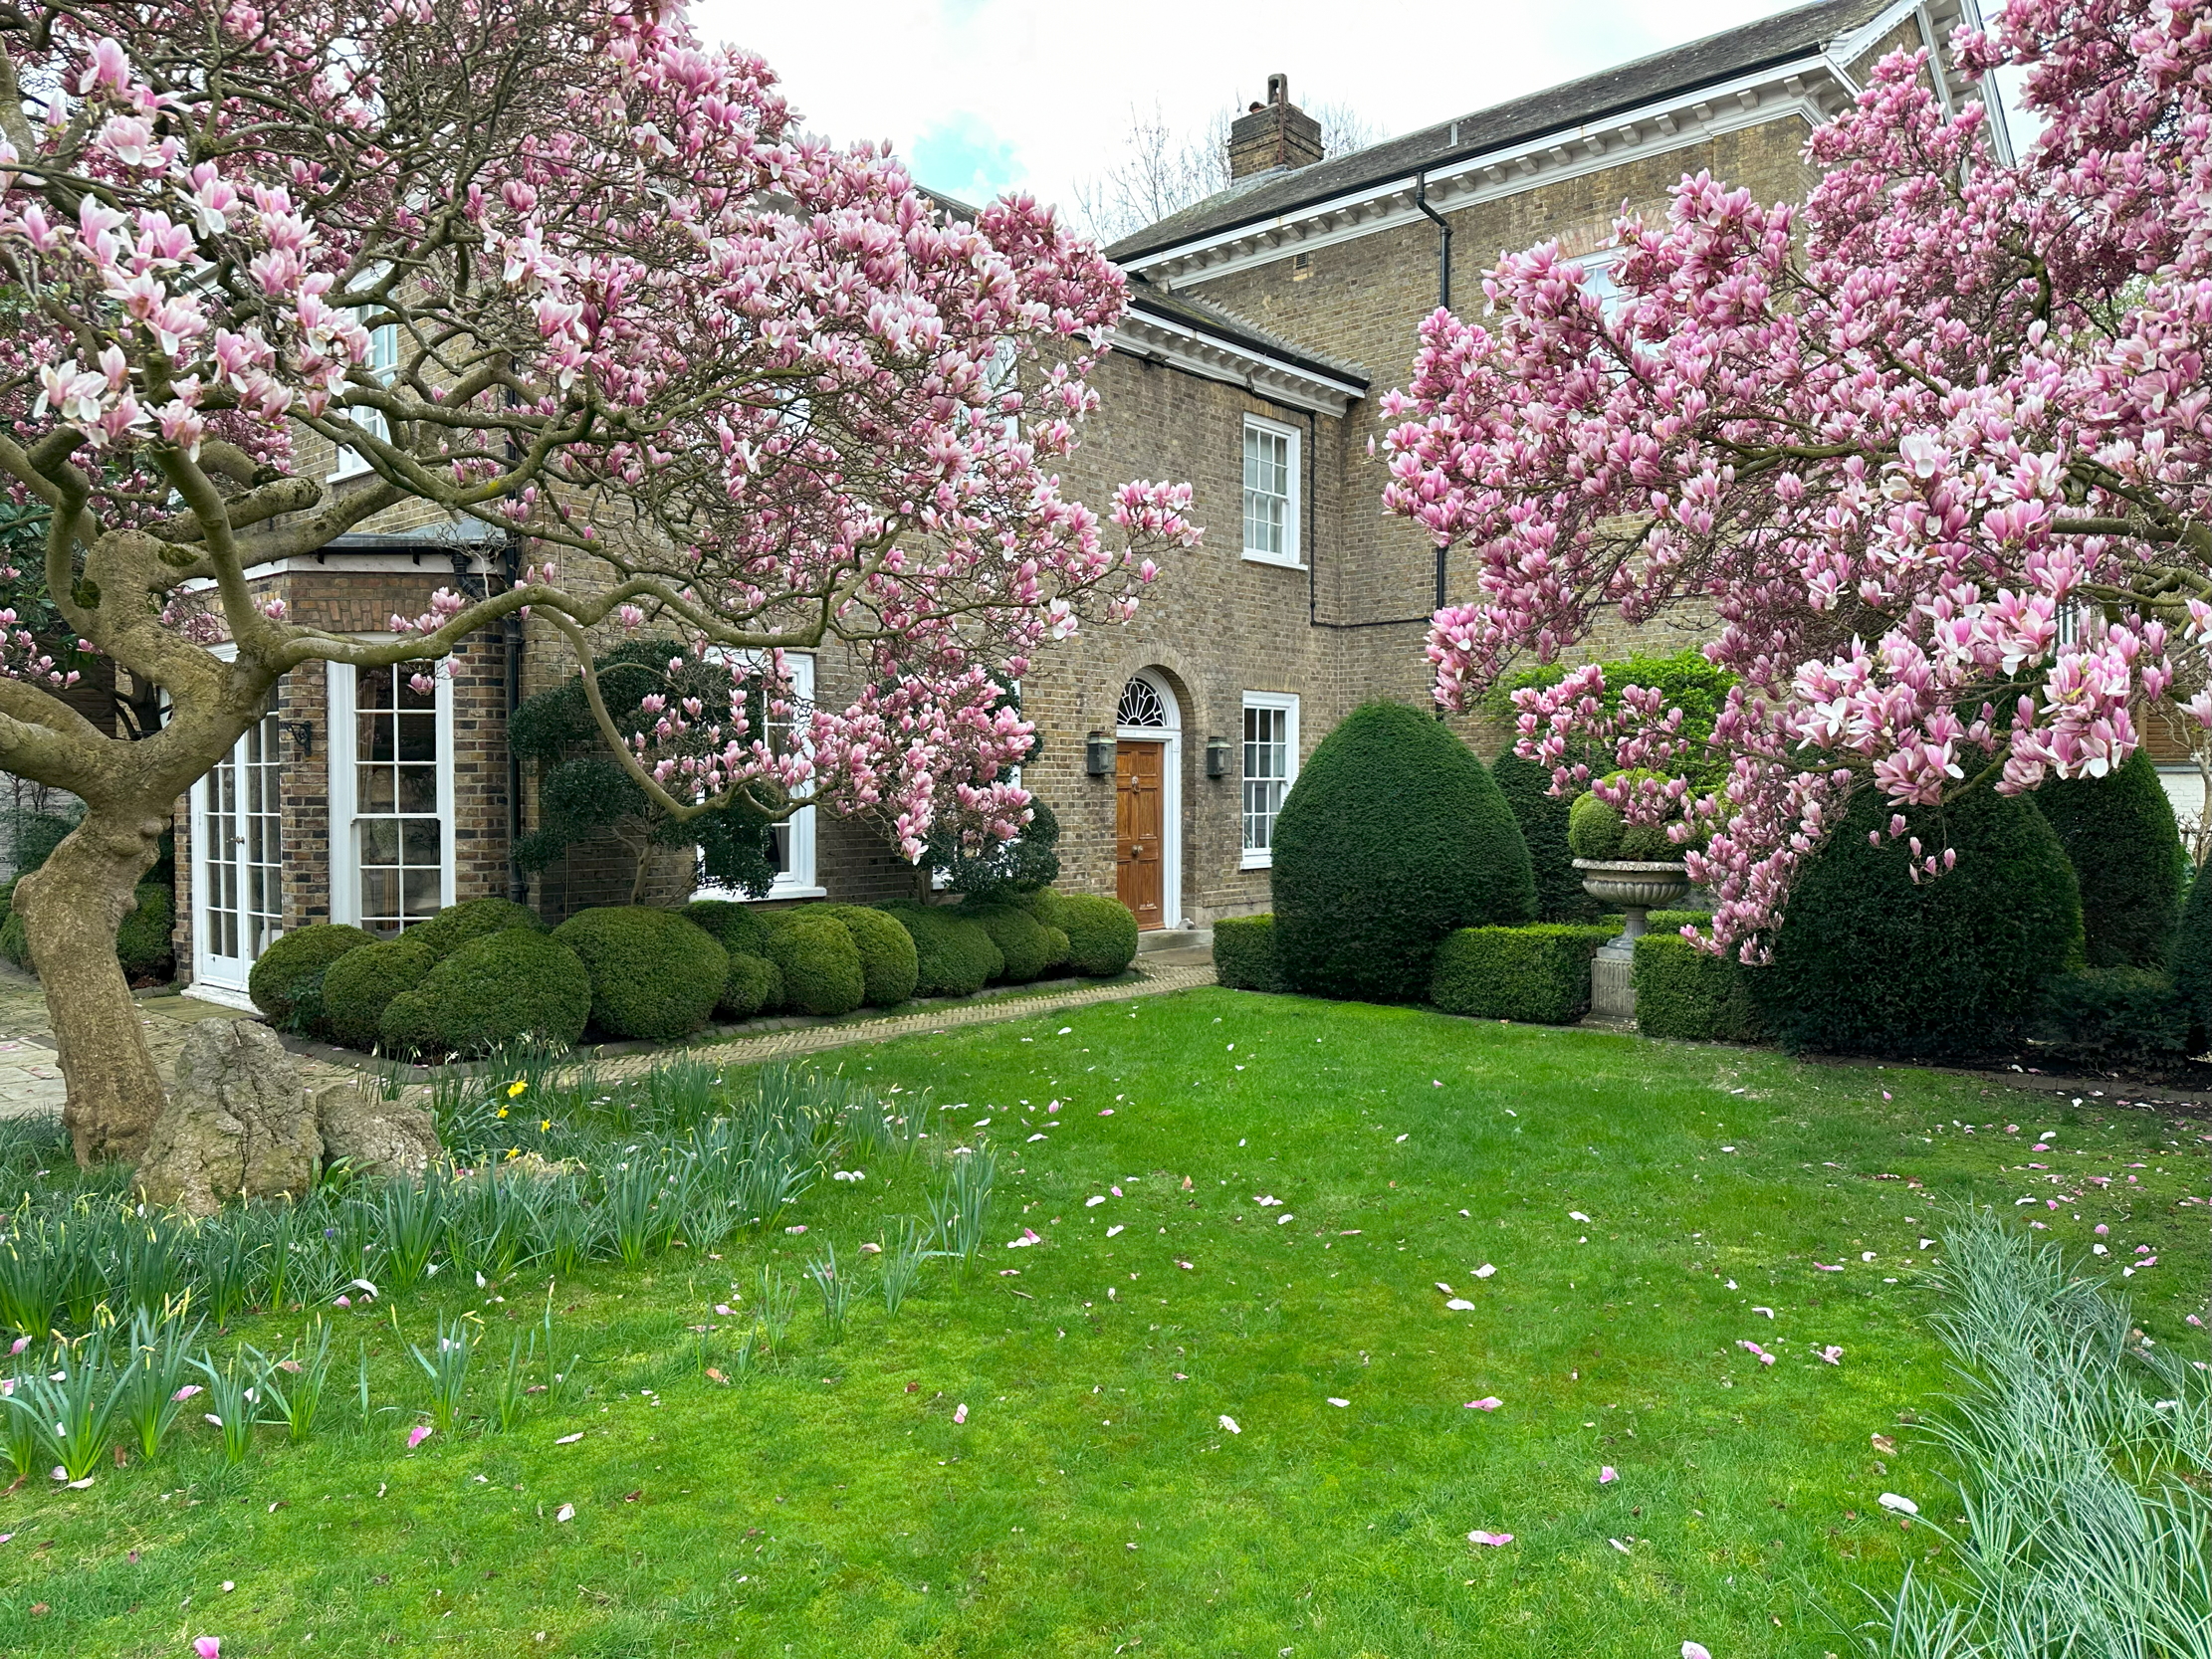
{"x": 1274, "y": 135}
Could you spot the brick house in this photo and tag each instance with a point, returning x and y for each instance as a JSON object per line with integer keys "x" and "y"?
{"x": 1263, "y": 322}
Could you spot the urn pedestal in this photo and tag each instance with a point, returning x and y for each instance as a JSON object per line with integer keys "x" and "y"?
{"x": 1637, "y": 886}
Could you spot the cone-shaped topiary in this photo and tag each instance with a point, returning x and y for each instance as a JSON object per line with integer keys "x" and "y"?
{"x": 2119, "y": 835}
{"x": 1392, "y": 836}
{"x": 654, "y": 973}
{"x": 360, "y": 984}
{"x": 953, "y": 955}
{"x": 1867, "y": 960}
{"x": 1526, "y": 786}
{"x": 456, "y": 925}
{"x": 494, "y": 990}
{"x": 818, "y": 960}
{"x": 287, "y": 983}
{"x": 2190, "y": 963}
{"x": 889, "y": 968}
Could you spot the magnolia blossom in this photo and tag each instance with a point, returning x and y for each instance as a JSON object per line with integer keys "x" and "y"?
{"x": 1931, "y": 455}
{"x": 638, "y": 315}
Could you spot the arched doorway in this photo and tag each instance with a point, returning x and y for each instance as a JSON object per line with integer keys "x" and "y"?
{"x": 1148, "y": 800}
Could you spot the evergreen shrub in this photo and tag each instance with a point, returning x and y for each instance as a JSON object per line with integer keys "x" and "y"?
{"x": 494, "y": 990}
{"x": 287, "y": 983}
{"x": 1538, "y": 974}
{"x": 2190, "y": 961}
{"x": 1596, "y": 829}
{"x": 889, "y": 969}
{"x": 1683, "y": 991}
{"x": 734, "y": 926}
{"x": 654, "y": 975}
{"x": 1244, "y": 954}
{"x": 456, "y": 925}
{"x": 360, "y": 984}
{"x": 819, "y": 962}
{"x": 2114, "y": 1016}
{"x": 1866, "y": 960}
{"x": 1394, "y": 835}
{"x": 954, "y": 952}
{"x": 1101, "y": 932}
{"x": 2119, "y": 834}
{"x": 755, "y": 985}
{"x": 145, "y": 943}
{"x": 1526, "y": 786}
{"x": 1025, "y": 945}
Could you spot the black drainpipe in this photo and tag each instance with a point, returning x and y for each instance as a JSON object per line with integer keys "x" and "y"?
{"x": 1444, "y": 241}
{"x": 511, "y": 633}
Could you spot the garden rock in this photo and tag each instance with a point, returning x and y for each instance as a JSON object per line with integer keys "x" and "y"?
{"x": 378, "y": 1137}
{"x": 237, "y": 1124}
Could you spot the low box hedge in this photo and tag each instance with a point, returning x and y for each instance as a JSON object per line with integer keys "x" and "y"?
{"x": 1540, "y": 974}
{"x": 2113, "y": 1016}
{"x": 1244, "y": 957}
{"x": 1684, "y": 992}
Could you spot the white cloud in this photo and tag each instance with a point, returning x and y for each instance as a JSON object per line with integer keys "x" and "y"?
{"x": 1015, "y": 93}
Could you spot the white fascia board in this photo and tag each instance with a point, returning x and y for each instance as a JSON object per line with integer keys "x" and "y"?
{"x": 1845, "y": 48}
{"x": 1387, "y": 205}
{"x": 337, "y": 562}
{"x": 1179, "y": 345}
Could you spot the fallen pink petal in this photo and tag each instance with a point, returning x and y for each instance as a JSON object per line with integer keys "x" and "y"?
{"x": 418, "y": 1434}
{"x": 1607, "y": 1475}
{"x": 1493, "y": 1539}
{"x": 1488, "y": 1402}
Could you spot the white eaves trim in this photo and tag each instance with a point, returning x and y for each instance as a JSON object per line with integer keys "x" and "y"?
{"x": 1181, "y": 345}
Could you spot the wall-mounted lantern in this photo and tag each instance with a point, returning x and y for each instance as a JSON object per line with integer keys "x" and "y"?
{"x": 1098, "y": 756}
{"x": 1217, "y": 758}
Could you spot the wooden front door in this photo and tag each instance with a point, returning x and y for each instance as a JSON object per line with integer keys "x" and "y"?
{"x": 1140, "y": 824}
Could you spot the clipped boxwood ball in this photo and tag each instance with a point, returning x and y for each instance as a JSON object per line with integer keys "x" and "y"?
{"x": 287, "y": 983}
{"x": 456, "y": 925}
{"x": 2119, "y": 835}
{"x": 818, "y": 960}
{"x": 734, "y": 926}
{"x": 407, "y": 1027}
{"x": 889, "y": 968}
{"x": 1101, "y": 933}
{"x": 953, "y": 951}
{"x": 1024, "y": 942}
{"x": 755, "y": 985}
{"x": 1868, "y": 961}
{"x": 361, "y": 984}
{"x": 1392, "y": 836}
{"x": 654, "y": 975}
{"x": 497, "y": 989}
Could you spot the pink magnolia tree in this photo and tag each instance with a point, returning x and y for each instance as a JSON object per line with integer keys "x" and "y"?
{"x": 702, "y": 370}
{"x": 1932, "y": 453}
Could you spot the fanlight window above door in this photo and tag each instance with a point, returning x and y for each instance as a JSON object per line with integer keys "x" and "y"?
{"x": 1141, "y": 706}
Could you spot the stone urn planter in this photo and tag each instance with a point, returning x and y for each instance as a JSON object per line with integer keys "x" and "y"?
{"x": 1637, "y": 886}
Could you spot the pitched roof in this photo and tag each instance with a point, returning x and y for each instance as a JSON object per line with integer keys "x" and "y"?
{"x": 1224, "y": 324}
{"x": 1717, "y": 57}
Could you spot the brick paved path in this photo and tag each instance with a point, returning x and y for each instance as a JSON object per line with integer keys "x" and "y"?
{"x": 31, "y": 1080}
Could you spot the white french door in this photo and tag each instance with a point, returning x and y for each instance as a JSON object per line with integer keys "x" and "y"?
{"x": 237, "y": 862}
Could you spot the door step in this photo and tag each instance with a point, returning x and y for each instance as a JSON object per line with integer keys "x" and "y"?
{"x": 1176, "y": 946}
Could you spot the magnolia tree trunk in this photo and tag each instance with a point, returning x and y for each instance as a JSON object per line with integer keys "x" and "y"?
{"x": 72, "y": 907}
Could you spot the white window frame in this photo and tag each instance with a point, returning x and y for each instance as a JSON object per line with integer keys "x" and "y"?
{"x": 207, "y": 984}
{"x": 1288, "y": 704}
{"x": 343, "y": 750}
{"x": 383, "y": 362}
{"x": 1293, "y": 557}
{"x": 798, "y": 881}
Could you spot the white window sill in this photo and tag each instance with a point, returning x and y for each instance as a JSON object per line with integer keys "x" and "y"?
{"x": 776, "y": 893}
{"x": 1277, "y": 560}
{"x": 1257, "y": 861}
{"x": 221, "y": 996}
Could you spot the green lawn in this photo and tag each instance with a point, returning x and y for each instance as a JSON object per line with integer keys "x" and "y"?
{"x": 1093, "y": 1502}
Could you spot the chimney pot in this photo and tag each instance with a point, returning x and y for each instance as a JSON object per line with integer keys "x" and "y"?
{"x": 1275, "y": 134}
